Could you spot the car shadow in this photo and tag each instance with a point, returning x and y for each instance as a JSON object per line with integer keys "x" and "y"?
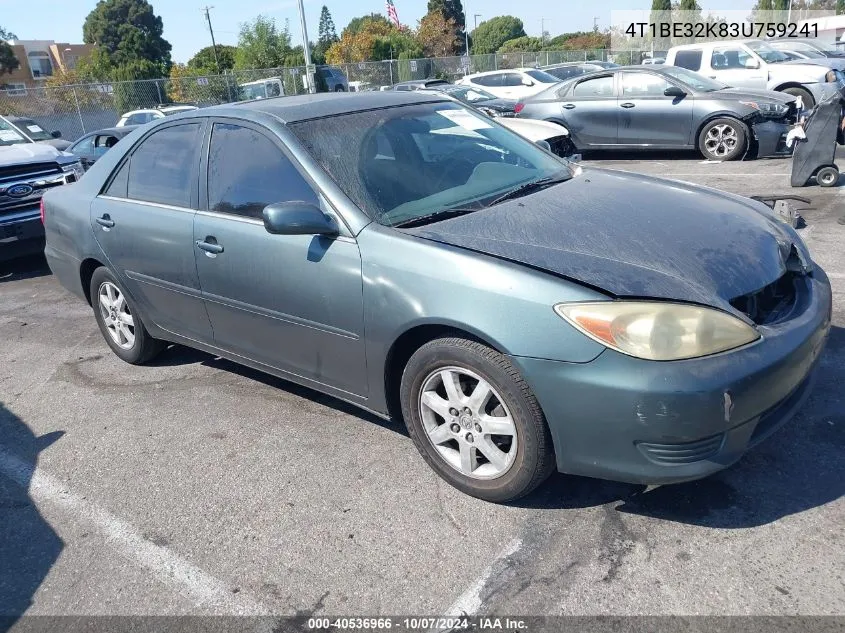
{"x": 799, "y": 468}
{"x": 22, "y": 268}
{"x": 29, "y": 546}
{"x": 178, "y": 355}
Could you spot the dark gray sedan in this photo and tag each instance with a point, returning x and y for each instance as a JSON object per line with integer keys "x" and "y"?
{"x": 665, "y": 107}
{"x": 409, "y": 255}
{"x": 94, "y": 144}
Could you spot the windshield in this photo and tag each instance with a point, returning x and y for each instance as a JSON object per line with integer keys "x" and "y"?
{"x": 32, "y": 130}
{"x": 542, "y": 76}
{"x": 402, "y": 163}
{"x": 255, "y": 91}
{"x": 469, "y": 94}
{"x": 693, "y": 79}
{"x": 769, "y": 54}
{"x": 9, "y": 135}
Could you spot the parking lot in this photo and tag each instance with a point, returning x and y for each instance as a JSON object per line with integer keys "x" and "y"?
{"x": 195, "y": 486}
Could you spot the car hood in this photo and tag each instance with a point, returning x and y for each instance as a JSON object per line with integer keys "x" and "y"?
{"x": 23, "y": 153}
{"x": 740, "y": 94}
{"x": 634, "y": 236}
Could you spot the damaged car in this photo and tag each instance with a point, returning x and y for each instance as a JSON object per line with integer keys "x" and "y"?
{"x": 407, "y": 254}
{"x": 666, "y": 108}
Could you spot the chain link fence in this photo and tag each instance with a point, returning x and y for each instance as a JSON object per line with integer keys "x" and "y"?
{"x": 75, "y": 110}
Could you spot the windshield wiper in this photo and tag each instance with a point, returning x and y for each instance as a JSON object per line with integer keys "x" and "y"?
{"x": 529, "y": 187}
{"x": 436, "y": 216}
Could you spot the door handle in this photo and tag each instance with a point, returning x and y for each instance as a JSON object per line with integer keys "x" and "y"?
{"x": 569, "y": 106}
{"x": 628, "y": 105}
{"x": 210, "y": 246}
{"x": 105, "y": 221}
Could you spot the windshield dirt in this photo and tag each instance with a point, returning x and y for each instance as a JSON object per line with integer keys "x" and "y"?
{"x": 404, "y": 163}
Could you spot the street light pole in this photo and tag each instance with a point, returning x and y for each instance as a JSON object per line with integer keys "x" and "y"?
{"x": 477, "y": 15}
{"x": 306, "y": 48}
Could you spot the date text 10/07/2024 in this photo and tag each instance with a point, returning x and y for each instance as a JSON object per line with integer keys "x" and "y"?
{"x": 456, "y": 623}
{"x": 722, "y": 30}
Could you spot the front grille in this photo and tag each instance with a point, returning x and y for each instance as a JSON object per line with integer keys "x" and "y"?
{"x": 772, "y": 303}
{"x": 29, "y": 170}
{"x": 683, "y": 453}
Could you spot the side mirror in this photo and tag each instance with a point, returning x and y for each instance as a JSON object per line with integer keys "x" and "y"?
{"x": 544, "y": 144}
{"x": 527, "y": 82}
{"x": 297, "y": 218}
{"x": 752, "y": 63}
{"x": 674, "y": 92}
{"x": 56, "y": 134}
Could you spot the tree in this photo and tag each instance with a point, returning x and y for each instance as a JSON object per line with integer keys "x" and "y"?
{"x": 204, "y": 59}
{"x": 523, "y": 44}
{"x": 840, "y": 7}
{"x": 689, "y": 5}
{"x": 327, "y": 32}
{"x": 437, "y": 35}
{"x": 451, "y": 10}
{"x": 661, "y": 15}
{"x": 357, "y": 24}
{"x": 372, "y": 40}
{"x": 8, "y": 62}
{"x": 128, "y": 31}
{"x": 491, "y": 34}
{"x": 261, "y": 44}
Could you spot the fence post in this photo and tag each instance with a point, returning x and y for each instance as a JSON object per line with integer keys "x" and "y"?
{"x": 391, "y": 71}
{"x": 78, "y": 111}
{"x": 158, "y": 90}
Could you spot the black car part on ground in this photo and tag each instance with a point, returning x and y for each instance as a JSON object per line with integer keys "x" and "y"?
{"x": 815, "y": 155}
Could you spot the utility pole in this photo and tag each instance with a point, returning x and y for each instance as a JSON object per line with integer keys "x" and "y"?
{"x": 595, "y": 25}
{"x": 306, "y": 48}
{"x": 213, "y": 43}
{"x": 477, "y": 15}
{"x": 543, "y": 30}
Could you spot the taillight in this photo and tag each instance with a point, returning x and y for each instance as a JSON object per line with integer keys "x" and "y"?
{"x": 518, "y": 107}
{"x": 42, "y": 210}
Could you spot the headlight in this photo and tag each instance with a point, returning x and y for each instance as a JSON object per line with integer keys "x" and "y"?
{"x": 654, "y": 330}
{"x": 767, "y": 108}
{"x": 74, "y": 168}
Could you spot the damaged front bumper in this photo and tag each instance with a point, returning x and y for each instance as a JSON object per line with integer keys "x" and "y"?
{"x": 770, "y": 139}
{"x": 648, "y": 422}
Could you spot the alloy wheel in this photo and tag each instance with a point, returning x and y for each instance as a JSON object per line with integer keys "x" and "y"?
{"x": 721, "y": 140}
{"x": 116, "y": 315}
{"x": 468, "y": 423}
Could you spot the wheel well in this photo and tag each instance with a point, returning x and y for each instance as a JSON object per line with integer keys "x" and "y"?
{"x": 712, "y": 118}
{"x": 791, "y": 84}
{"x": 402, "y": 350}
{"x": 86, "y": 271}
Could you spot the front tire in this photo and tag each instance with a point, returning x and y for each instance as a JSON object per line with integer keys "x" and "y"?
{"x": 119, "y": 321}
{"x": 475, "y": 420}
{"x": 723, "y": 139}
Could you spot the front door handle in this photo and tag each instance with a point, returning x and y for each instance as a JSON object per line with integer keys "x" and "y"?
{"x": 105, "y": 221}
{"x": 628, "y": 105}
{"x": 569, "y": 106}
{"x": 210, "y": 246}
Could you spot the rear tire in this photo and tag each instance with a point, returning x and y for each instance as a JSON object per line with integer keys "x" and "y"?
{"x": 339, "y": 89}
{"x": 498, "y": 446}
{"x": 119, "y": 321}
{"x": 827, "y": 176}
{"x": 806, "y": 96}
{"x": 723, "y": 139}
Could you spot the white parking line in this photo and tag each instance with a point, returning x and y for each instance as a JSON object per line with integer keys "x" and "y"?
{"x": 470, "y": 600}
{"x": 167, "y": 567}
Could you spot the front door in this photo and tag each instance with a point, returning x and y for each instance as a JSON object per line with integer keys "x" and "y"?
{"x": 649, "y": 117}
{"x": 734, "y": 65}
{"x": 292, "y": 302}
{"x": 144, "y": 224}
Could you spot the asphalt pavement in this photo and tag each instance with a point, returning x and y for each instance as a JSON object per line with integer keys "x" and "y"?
{"x": 195, "y": 486}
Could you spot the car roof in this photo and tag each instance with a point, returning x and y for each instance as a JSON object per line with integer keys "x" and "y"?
{"x": 114, "y": 131}
{"x": 501, "y": 70}
{"x": 315, "y": 106}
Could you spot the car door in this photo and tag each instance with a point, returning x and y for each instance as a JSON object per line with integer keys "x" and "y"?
{"x": 590, "y": 111}
{"x": 84, "y": 149}
{"x": 292, "y": 302}
{"x": 647, "y": 116}
{"x": 512, "y": 86}
{"x": 143, "y": 222}
{"x": 738, "y": 67}
{"x": 492, "y": 83}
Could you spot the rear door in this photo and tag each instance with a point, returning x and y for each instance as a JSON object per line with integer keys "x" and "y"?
{"x": 590, "y": 111}
{"x": 292, "y": 302}
{"x": 143, "y": 221}
{"x": 647, "y": 116}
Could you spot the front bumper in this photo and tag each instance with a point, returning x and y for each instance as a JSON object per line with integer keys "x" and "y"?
{"x": 647, "y": 422}
{"x": 21, "y": 234}
{"x": 770, "y": 138}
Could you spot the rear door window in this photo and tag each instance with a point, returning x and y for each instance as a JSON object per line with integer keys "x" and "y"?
{"x": 489, "y": 80}
{"x": 163, "y": 168}
{"x": 247, "y": 171}
{"x": 636, "y": 84}
{"x": 511, "y": 79}
{"x": 690, "y": 59}
{"x": 598, "y": 87}
{"x": 83, "y": 148}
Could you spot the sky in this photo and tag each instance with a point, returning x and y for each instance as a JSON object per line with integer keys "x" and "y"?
{"x": 185, "y": 27}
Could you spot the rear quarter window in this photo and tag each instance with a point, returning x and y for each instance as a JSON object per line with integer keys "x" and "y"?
{"x": 691, "y": 60}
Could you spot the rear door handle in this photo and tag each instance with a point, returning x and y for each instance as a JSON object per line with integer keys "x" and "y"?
{"x": 628, "y": 105}
{"x": 210, "y": 246}
{"x": 569, "y": 106}
{"x": 105, "y": 221}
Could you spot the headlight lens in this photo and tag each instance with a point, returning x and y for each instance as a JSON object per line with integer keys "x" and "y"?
{"x": 654, "y": 330}
{"x": 767, "y": 108}
{"x": 74, "y": 168}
